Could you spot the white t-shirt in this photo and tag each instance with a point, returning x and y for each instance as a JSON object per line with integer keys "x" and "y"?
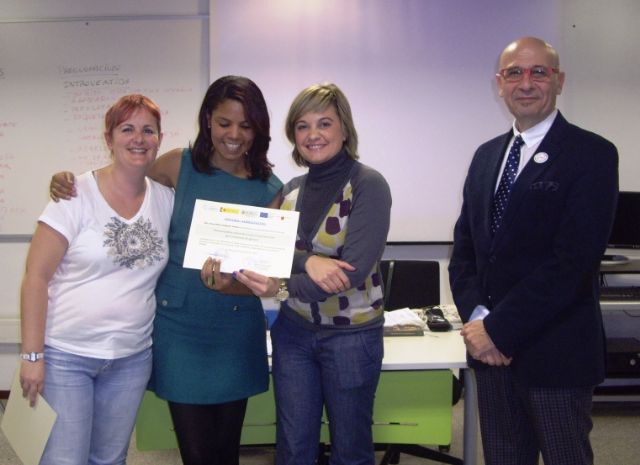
{"x": 101, "y": 297}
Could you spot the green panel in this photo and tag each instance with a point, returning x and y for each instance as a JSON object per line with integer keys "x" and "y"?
{"x": 411, "y": 407}
{"x": 154, "y": 428}
{"x": 324, "y": 429}
{"x": 260, "y": 420}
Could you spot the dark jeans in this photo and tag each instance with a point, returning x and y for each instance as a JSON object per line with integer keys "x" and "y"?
{"x": 335, "y": 369}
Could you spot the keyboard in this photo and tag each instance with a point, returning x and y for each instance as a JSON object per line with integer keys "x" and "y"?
{"x": 615, "y": 293}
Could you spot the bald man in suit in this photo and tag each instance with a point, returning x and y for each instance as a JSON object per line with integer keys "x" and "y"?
{"x": 524, "y": 268}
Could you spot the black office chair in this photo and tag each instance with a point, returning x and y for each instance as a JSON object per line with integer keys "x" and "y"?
{"x": 414, "y": 284}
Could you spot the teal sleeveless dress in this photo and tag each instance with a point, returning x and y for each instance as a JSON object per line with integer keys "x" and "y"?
{"x": 208, "y": 347}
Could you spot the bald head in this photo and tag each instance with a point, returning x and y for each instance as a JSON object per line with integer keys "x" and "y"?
{"x": 525, "y": 44}
{"x": 530, "y": 98}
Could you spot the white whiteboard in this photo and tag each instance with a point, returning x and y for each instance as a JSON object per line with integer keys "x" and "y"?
{"x": 33, "y": 9}
{"x": 57, "y": 79}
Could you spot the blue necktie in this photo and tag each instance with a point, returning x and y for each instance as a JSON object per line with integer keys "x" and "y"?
{"x": 501, "y": 197}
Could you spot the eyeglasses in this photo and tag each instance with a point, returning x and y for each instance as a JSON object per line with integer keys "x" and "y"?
{"x": 536, "y": 73}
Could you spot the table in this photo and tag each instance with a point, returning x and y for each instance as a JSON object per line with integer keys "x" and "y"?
{"x": 413, "y": 400}
{"x": 438, "y": 351}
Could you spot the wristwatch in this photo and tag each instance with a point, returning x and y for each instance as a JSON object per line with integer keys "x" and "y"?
{"x": 32, "y": 356}
{"x": 283, "y": 292}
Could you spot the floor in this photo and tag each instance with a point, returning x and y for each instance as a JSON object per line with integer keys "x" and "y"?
{"x": 615, "y": 439}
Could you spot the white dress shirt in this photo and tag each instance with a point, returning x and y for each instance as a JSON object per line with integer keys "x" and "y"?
{"x": 532, "y": 138}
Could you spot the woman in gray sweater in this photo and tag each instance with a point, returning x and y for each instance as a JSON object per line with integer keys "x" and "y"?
{"x": 327, "y": 340}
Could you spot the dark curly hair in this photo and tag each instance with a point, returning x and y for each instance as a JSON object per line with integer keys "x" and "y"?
{"x": 245, "y": 91}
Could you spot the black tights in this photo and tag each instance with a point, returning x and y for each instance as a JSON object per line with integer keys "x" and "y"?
{"x": 209, "y": 434}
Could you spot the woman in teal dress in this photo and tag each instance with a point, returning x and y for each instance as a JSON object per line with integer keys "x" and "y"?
{"x": 209, "y": 345}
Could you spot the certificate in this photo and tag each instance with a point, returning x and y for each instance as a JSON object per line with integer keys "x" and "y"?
{"x": 242, "y": 237}
{"x": 27, "y": 428}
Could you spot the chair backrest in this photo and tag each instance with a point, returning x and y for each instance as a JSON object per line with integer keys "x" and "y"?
{"x": 410, "y": 283}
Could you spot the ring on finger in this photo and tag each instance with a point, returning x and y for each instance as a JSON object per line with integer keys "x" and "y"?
{"x": 212, "y": 280}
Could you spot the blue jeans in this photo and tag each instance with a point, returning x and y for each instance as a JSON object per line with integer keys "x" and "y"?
{"x": 335, "y": 369}
{"x": 97, "y": 402}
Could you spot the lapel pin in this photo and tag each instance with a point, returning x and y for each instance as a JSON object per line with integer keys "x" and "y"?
{"x": 540, "y": 157}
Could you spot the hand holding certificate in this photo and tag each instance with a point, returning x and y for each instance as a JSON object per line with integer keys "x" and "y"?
{"x": 242, "y": 237}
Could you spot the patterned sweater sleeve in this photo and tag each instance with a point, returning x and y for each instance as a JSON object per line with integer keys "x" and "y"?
{"x": 366, "y": 236}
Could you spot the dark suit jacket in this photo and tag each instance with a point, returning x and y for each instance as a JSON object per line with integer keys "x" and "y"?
{"x": 539, "y": 275}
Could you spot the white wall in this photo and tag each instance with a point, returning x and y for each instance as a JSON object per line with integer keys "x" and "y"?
{"x": 418, "y": 75}
{"x": 420, "y": 78}
{"x": 28, "y": 10}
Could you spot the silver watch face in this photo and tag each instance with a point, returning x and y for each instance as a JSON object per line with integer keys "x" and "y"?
{"x": 282, "y": 294}
{"x": 31, "y": 356}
